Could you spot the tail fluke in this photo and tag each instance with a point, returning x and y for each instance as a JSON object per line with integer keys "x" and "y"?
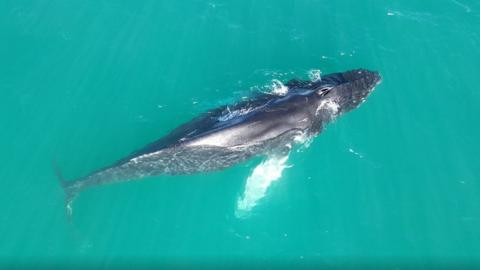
{"x": 70, "y": 189}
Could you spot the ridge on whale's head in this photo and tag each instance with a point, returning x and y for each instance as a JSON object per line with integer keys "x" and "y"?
{"x": 346, "y": 90}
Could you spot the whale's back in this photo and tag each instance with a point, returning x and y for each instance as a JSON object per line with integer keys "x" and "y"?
{"x": 247, "y": 122}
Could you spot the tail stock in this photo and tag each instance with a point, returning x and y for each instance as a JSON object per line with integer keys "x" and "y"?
{"x": 70, "y": 189}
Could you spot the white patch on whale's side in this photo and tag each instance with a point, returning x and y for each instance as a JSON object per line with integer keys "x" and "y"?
{"x": 330, "y": 105}
{"x": 258, "y": 182}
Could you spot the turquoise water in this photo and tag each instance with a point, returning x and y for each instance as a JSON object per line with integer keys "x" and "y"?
{"x": 395, "y": 183}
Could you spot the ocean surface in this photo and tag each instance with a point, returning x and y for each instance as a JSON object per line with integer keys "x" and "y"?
{"x": 394, "y": 184}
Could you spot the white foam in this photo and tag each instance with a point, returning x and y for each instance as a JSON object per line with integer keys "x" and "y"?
{"x": 235, "y": 113}
{"x": 303, "y": 139}
{"x": 315, "y": 75}
{"x": 300, "y": 138}
{"x": 258, "y": 182}
{"x": 278, "y": 88}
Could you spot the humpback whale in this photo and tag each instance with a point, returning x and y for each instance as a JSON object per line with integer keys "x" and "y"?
{"x": 266, "y": 124}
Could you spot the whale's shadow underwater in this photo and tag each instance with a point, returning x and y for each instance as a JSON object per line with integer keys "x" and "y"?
{"x": 266, "y": 124}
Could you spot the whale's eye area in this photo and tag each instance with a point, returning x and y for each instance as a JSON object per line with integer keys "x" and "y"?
{"x": 324, "y": 91}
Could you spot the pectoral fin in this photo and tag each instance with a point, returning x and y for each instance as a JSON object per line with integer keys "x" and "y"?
{"x": 257, "y": 184}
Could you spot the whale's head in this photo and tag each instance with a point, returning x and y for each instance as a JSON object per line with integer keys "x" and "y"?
{"x": 343, "y": 92}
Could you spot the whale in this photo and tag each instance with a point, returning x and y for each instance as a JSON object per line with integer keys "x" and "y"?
{"x": 265, "y": 124}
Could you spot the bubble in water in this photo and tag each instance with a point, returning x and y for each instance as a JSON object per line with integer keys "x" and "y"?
{"x": 355, "y": 153}
{"x": 315, "y": 75}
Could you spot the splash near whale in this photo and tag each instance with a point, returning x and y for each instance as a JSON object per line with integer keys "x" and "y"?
{"x": 265, "y": 125}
